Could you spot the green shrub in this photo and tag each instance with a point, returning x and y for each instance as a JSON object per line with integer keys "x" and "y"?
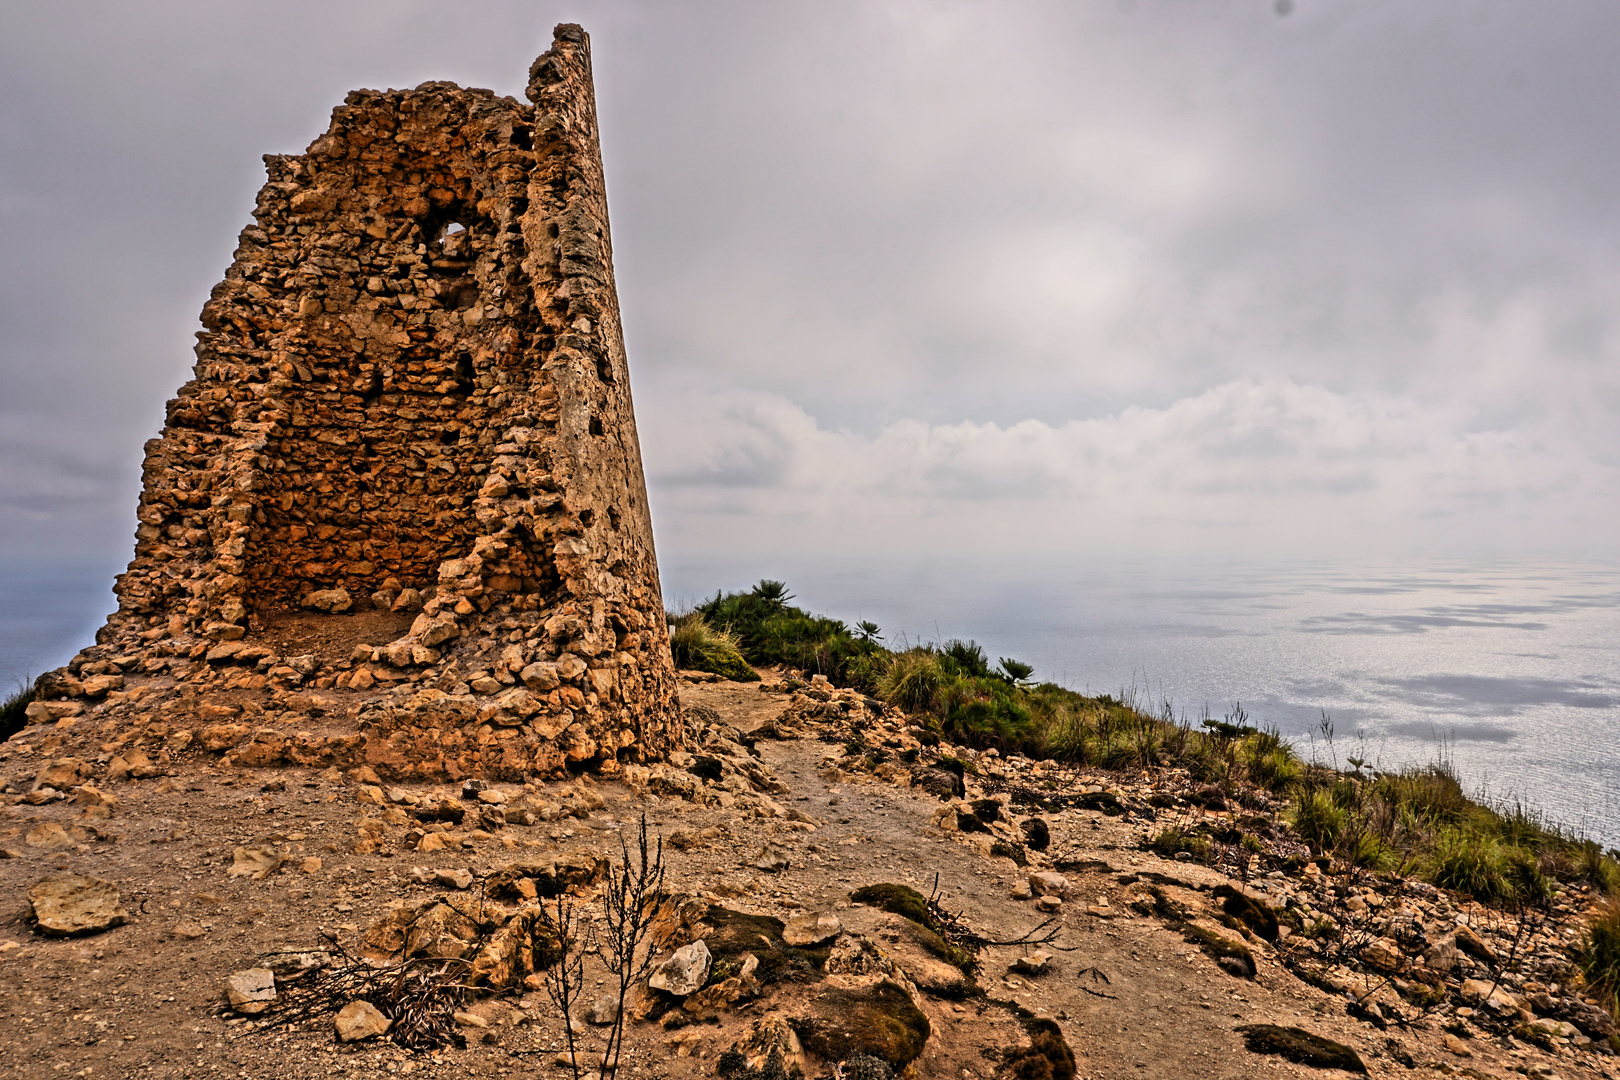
{"x": 912, "y": 681}
{"x": 1367, "y": 851}
{"x": 697, "y": 646}
{"x": 1599, "y": 955}
{"x": 1319, "y": 819}
{"x": 1596, "y": 868}
{"x": 13, "y": 711}
{"x": 1270, "y": 762}
{"x": 1472, "y": 863}
{"x": 1433, "y": 794}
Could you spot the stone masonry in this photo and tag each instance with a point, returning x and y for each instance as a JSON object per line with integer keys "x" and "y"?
{"x": 404, "y": 486}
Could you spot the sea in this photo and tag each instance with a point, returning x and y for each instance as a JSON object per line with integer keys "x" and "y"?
{"x": 1507, "y": 671}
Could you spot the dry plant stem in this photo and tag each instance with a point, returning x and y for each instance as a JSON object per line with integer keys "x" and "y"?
{"x": 566, "y": 978}
{"x": 627, "y": 909}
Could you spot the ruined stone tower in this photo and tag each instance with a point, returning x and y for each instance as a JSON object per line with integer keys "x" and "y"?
{"x": 404, "y": 485}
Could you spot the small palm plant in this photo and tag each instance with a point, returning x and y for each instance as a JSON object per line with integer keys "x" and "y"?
{"x": 774, "y": 593}
{"x": 1014, "y": 671}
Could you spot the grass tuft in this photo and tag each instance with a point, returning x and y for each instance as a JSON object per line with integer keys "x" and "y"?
{"x": 697, "y": 646}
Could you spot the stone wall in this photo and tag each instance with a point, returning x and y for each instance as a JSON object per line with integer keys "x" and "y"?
{"x": 411, "y": 400}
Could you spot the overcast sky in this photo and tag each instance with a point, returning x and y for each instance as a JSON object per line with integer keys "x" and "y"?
{"x": 1227, "y": 276}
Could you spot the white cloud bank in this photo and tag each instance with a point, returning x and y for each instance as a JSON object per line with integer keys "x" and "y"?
{"x": 1259, "y": 465}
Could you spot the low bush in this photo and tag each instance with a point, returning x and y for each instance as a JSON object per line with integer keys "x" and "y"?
{"x": 1472, "y": 863}
{"x": 1599, "y": 955}
{"x": 13, "y": 711}
{"x": 697, "y": 646}
{"x": 1319, "y": 819}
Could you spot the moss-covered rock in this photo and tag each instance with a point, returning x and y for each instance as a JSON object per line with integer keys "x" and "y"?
{"x": 879, "y": 1020}
{"x": 1248, "y": 911}
{"x": 735, "y": 935}
{"x": 1047, "y": 1057}
{"x": 926, "y": 931}
{"x": 1297, "y": 1044}
{"x": 1234, "y": 956}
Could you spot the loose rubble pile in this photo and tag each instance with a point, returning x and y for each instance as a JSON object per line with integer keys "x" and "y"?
{"x": 1400, "y": 951}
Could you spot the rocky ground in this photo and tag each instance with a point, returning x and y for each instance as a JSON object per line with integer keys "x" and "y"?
{"x": 307, "y": 883}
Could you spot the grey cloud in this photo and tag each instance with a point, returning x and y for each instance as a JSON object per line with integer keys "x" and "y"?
{"x": 941, "y": 214}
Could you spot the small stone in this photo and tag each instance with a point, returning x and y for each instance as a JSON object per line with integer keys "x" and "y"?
{"x": 454, "y": 879}
{"x": 541, "y": 677}
{"x": 95, "y": 803}
{"x": 432, "y": 842}
{"x": 604, "y": 1010}
{"x": 188, "y": 930}
{"x": 69, "y": 904}
{"x": 53, "y": 835}
{"x": 421, "y": 875}
{"x": 1049, "y": 903}
{"x": 331, "y": 601}
{"x": 360, "y": 1020}
{"x": 771, "y": 861}
{"x": 492, "y": 796}
{"x": 1049, "y": 883}
{"x": 1033, "y": 964}
{"x": 811, "y": 928}
{"x": 685, "y": 972}
{"x": 256, "y": 863}
{"x": 467, "y": 1019}
{"x": 1101, "y": 911}
{"x": 1384, "y": 955}
{"x": 310, "y": 865}
{"x": 1457, "y": 1046}
{"x": 1022, "y": 891}
{"x": 250, "y": 992}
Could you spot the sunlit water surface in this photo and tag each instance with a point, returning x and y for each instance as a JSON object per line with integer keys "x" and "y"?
{"x": 1509, "y": 670}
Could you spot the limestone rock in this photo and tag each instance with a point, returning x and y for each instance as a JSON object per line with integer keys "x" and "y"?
{"x": 1033, "y": 964}
{"x": 685, "y": 972}
{"x": 811, "y": 928}
{"x": 1048, "y": 883}
{"x": 1384, "y": 955}
{"x": 250, "y": 992}
{"x": 604, "y": 1010}
{"x": 454, "y": 879}
{"x": 71, "y": 904}
{"x": 331, "y": 601}
{"x": 360, "y": 1020}
{"x": 256, "y": 863}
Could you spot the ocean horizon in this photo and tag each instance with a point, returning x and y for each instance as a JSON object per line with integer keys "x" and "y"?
{"x": 1507, "y": 670}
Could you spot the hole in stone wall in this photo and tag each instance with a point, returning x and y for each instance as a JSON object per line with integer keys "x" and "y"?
{"x": 596, "y": 426}
{"x": 522, "y": 138}
{"x": 586, "y": 517}
{"x": 373, "y": 389}
{"x": 449, "y": 437}
{"x": 465, "y": 376}
{"x": 613, "y": 518}
{"x": 604, "y": 369}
